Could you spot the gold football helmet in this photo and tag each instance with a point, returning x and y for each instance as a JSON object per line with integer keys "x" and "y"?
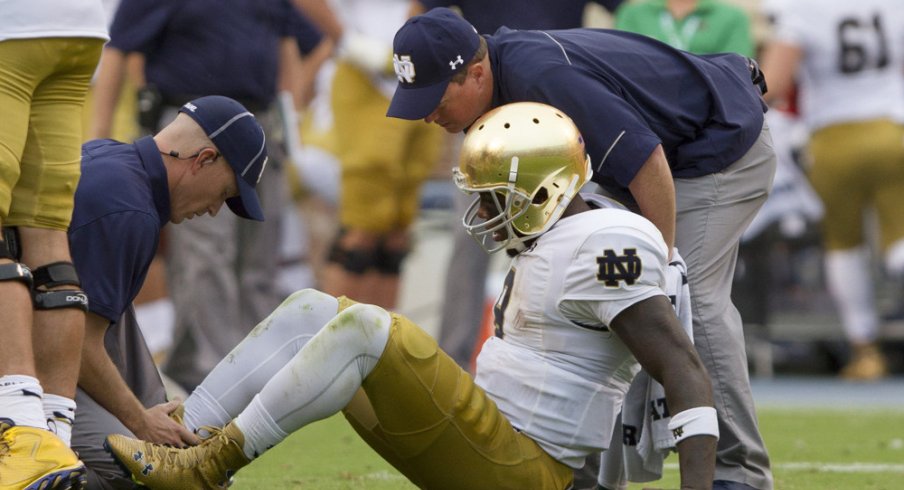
{"x": 530, "y": 158}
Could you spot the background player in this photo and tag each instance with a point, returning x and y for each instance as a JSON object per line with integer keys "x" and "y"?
{"x": 383, "y": 162}
{"x": 848, "y": 62}
{"x": 584, "y": 296}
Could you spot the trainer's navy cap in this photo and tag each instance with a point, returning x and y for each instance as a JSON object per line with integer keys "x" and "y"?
{"x": 426, "y": 52}
{"x": 241, "y": 140}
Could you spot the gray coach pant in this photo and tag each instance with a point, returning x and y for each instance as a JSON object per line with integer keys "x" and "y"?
{"x": 221, "y": 273}
{"x": 712, "y": 213}
{"x": 93, "y": 423}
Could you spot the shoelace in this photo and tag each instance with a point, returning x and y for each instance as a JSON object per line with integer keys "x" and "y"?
{"x": 191, "y": 457}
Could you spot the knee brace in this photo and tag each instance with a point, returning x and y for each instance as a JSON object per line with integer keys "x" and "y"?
{"x": 14, "y": 271}
{"x": 356, "y": 261}
{"x": 11, "y": 249}
{"x": 389, "y": 260}
{"x": 57, "y": 274}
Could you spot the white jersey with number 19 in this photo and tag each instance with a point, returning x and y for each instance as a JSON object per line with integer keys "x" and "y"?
{"x": 552, "y": 322}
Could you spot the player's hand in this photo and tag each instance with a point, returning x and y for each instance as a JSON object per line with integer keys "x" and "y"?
{"x": 159, "y": 428}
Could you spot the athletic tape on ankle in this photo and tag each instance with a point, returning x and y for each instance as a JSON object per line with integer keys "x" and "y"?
{"x": 697, "y": 421}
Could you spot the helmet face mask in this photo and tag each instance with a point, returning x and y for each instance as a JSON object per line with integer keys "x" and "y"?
{"x": 497, "y": 231}
{"x": 530, "y": 159}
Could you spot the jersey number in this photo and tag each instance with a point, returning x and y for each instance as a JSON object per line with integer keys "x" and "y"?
{"x": 854, "y": 45}
{"x": 502, "y": 302}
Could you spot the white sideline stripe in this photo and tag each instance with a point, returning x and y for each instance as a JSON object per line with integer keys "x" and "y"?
{"x": 830, "y": 467}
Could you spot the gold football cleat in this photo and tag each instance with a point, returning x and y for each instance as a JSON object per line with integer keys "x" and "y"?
{"x": 36, "y": 459}
{"x": 207, "y": 465}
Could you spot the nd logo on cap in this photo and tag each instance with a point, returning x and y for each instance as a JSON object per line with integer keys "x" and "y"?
{"x": 404, "y": 68}
{"x": 441, "y": 43}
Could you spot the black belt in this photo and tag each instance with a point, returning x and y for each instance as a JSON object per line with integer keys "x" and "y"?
{"x": 756, "y": 76}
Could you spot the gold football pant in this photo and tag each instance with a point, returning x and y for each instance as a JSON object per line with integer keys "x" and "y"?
{"x": 857, "y": 166}
{"x": 384, "y": 160}
{"x": 43, "y": 83}
{"x": 425, "y": 415}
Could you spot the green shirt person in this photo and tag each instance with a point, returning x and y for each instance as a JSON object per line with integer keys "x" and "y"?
{"x": 698, "y": 26}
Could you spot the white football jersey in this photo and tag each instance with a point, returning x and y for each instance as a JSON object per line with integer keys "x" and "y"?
{"x": 378, "y": 20}
{"x": 30, "y": 19}
{"x": 853, "y": 57}
{"x": 554, "y": 368}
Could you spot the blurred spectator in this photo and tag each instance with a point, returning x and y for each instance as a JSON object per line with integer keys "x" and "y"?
{"x": 383, "y": 161}
{"x": 220, "y": 271}
{"x": 848, "y": 62}
{"x": 698, "y": 26}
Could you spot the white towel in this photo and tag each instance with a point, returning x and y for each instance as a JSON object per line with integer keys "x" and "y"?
{"x": 646, "y": 438}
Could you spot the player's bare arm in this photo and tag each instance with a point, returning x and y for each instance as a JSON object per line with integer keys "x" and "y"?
{"x": 652, "y": 332}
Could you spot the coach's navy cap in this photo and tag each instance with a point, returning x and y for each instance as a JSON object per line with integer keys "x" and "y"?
{"x": 241, "y": 140}
{"x": 426, "y": 52}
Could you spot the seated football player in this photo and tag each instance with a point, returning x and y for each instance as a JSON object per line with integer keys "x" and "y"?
{"x": 583, "y": 308}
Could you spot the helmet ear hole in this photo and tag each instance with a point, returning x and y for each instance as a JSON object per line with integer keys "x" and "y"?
{"x": 540, "y": 196}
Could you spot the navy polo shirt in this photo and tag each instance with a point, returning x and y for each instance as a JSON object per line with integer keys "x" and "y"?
{"x": 121, "y": 204}
{"x": 487, "y": 16}
{"x": 627, "y": 93}
{"x": 201, "y": 47}
{"x": 306, "y": 34}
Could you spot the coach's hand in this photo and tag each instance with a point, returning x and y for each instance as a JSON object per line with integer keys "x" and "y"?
{"x": 160, "y": 428}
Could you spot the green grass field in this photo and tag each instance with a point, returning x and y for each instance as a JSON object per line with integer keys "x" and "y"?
{"x": 810, "y": 449}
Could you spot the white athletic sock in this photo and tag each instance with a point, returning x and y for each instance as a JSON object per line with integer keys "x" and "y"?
{"x": 320, "y": 380}
{"x": 21, "y": 400}
{"x": 260, "y": 431}
{"x": 849, "y": 279}
{"x": 60, "y": 414}
{"x": 272, "y": 344}
{"x": 324, "y": 376}
{"x": 201, "y": 408}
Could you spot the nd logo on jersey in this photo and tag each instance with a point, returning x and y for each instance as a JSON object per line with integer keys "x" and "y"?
{"x": 614, "y": 268}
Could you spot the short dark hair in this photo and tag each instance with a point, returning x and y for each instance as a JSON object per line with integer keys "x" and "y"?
{"x": 479, "y": 55}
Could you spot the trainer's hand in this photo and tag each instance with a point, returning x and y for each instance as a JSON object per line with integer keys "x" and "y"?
{"x": 159, "y": 428}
